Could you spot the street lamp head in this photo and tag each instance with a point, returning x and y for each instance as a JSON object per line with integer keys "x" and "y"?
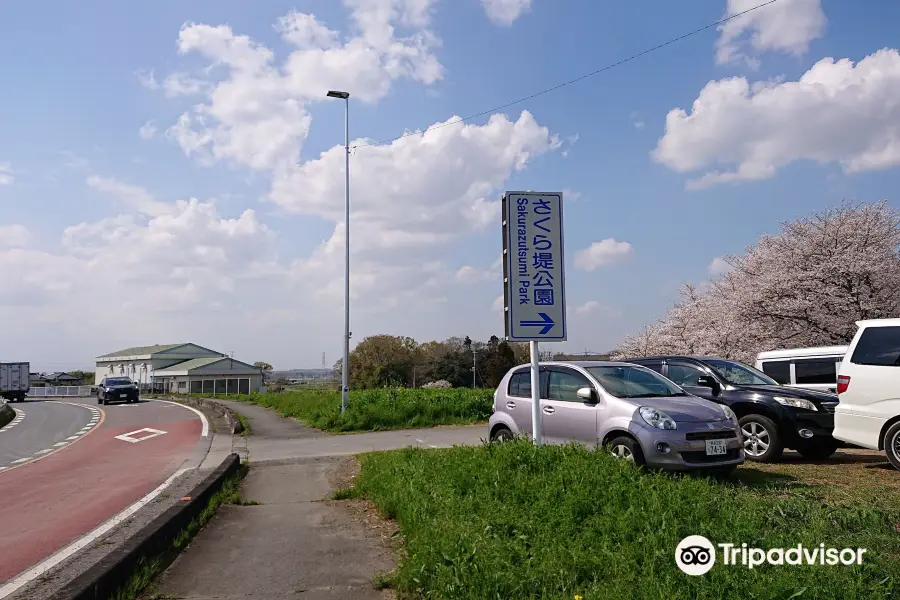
{"x": 341, "y": 95}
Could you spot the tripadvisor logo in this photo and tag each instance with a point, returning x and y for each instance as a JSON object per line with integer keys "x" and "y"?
{"x": 696, "y": 555}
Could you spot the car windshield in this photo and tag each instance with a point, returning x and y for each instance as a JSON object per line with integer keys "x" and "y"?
{"x": 739, "y": 373}
{"x": 633, "y": 382}
{"x": 118, "y": 381}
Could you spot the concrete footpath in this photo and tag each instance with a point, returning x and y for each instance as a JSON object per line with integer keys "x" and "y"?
{"x": 296, "y": 544}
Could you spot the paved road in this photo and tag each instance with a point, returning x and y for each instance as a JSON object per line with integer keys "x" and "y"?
{"x": 55, "y": 498}
{"x": 41, "y": 428}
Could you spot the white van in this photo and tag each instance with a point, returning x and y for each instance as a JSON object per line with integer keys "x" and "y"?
{"x": 809, "y": 368}
{"x": 868, "y": 413}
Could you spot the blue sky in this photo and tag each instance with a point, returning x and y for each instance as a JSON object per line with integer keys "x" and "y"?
{"x": 103, "y": 247}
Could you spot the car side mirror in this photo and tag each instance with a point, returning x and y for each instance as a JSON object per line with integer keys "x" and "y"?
{"x": 587, "y": 394}
{"x": 707, "y": 381}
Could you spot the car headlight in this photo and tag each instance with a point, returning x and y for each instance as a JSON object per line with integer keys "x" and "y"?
{"x": 729, "y": 414}
{"x": 795, "y": 402}
{"x": 657, "y": 418}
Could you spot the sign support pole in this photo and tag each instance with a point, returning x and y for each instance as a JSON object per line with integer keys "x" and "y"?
{"x": 535, "y": 394}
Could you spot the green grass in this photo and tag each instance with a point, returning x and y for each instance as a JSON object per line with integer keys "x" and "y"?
{"x": 373, "y": 410}
{"x": 150, "y": 567}
{"x": 510, "y": 521}
{"x": 245, "y": 425}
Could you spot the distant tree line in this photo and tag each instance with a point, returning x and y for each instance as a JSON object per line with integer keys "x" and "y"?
{"x": 388, "y": 360}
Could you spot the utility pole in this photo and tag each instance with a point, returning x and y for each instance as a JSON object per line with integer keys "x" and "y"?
{"x": 473, "y": 369}
{"x": 345, "y": 366}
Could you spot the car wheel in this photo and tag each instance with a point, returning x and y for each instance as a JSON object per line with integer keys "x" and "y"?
{"x": 762, "y": 443}
{"x": 627, "y": 449}
{"x": 501, "y": 434}
{"x": 817, "y": 449}
{"x": 892, "y": 444}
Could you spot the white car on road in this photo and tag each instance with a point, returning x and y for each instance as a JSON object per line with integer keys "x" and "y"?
{"x": 868, "y": 385}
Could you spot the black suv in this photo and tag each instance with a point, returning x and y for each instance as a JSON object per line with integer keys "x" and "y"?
{"x": 114, "y": 389}
{"x": 772, "y": 416}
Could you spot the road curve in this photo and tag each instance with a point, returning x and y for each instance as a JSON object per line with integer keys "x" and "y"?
{"x": 43, "y": 428}
{"x": 52, "y": 500}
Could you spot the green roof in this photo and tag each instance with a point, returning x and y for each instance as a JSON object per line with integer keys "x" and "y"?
{"x": 141, "y": 350}
{"x": 194, "y": 363}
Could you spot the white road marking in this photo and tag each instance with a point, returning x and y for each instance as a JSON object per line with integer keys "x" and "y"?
{"x": 129, "y": 437}
{"x": 205, "y": 431}
{"x": 44, "y": 451}
{"x": 36, "y": 571}
{"x": 21, "y": 460}
{"x": 72, "y": 437}
{"x": 20, "y": 416}
{"x": 60, "y": 444}
{"x": 3, "y": 468}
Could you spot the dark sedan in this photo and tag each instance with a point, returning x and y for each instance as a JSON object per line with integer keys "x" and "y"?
{"x": 772, "y": 416}
{"x": 117, "y": 389}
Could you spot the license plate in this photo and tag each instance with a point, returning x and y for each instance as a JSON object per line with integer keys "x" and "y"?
{"x": 715, "y": 447}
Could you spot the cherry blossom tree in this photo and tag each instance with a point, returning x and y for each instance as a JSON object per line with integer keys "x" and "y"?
{"x": 806, "y": 285}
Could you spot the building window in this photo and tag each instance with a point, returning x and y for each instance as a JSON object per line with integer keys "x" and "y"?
{"x": 207, "y": 386}
{"x": 182, "y": 386}
{"x": 220, "y": 386}
{"x": 196, "y": 387}
{"x": 232, "y": 386}
{"x": 244, "y": 386}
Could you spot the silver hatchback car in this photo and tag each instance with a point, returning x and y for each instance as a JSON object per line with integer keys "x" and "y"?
{"x": 638, "y": 413}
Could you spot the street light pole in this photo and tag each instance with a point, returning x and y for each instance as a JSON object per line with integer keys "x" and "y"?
{"x": 345, "y": 365}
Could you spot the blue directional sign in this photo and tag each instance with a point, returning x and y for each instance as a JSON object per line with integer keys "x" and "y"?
{"x": 534, "y": 282}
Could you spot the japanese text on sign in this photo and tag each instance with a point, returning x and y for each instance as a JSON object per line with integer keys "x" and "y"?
{"x": 533, "y": 266}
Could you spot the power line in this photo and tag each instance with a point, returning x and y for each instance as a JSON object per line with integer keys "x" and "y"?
{"x": 571, "y": 81}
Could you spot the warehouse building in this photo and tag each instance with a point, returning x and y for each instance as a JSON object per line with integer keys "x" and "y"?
{"x": 182, "y": 368}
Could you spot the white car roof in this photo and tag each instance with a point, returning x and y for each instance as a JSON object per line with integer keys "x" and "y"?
{"x": 803, "y": 352}
{"x": 879, "y": 323}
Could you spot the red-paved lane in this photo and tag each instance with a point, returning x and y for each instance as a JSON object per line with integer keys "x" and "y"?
{"x": 49, "y": 503}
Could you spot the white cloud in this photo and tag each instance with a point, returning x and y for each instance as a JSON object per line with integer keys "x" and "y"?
{"x": 497, "y": 304}
{"x": 836, "y": 112}
{"x": 591, "y": 306}
{"x": 6, "y": 174}
{"x": 14, "y": 236}
{"x": 718, "y": 267}
{"x": 785, "y": 26}
{"x": 570, "y": 141}
{"x": 188, "y": 259}
{"x": 182, "y": 84}
{"x": 414, "y": 201}
{"x": 505, "y": 12}
{"x": 594, "y": 309}
{"x": 570, "y": 195}
{"x": 469, "y": 274}
{"x": 147, "y": 78}
{"x": 411, "y": 198}
{"x": 147, "y": 130}
{"x": 637, "y": 121}
{"x": 131, "y": 196}
{"x": 257, "y": 115}
{"x": 602, "y": 254}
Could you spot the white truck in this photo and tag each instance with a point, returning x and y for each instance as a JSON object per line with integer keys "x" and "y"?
{"x": 14, "y": 380}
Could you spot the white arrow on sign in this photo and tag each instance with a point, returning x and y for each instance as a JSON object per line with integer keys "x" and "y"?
{"x": 149, "y": 433}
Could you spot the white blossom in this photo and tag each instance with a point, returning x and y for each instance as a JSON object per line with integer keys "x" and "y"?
{"x": 807, "y": 285}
